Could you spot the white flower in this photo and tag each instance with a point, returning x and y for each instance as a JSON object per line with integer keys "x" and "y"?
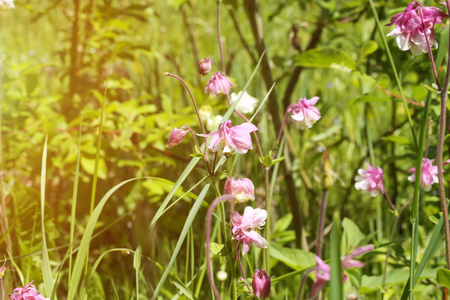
{"x": 247, "y": 104}
{"x": 212, "y": 122}
{"x": 6, "y": 3}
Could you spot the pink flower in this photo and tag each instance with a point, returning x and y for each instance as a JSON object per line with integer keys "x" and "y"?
{"x": 370, "y": 180}
{"x": 323, "y": 270}
{"x": 229, "y": 138}
{"x": 243, "y": 189}
{"x": 261, "y": 284}
{"x": 218, "y": 84}
{"x": 204, "y": 66}
{"x": 28, "y": 292}
{"x": 244, "y": 227}
{"x": 409, "y": 32}
{"x": 7, "y": 4}
{"x": 304, "y": 112}
{"x": 428, "y": 173}
{"x": 177, "y": 136}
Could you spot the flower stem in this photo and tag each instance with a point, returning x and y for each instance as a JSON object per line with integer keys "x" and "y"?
{"x": 279, "y": 134}
{"x": 430, "y": 54}
{"x": 200, "y": 149}
{"x": 208, "y": 239}
{"x": 323, "y": 206}
{"x": 242, "y": 269}
{"x": 218, "y": 38}
{"x": 212, "y": 59}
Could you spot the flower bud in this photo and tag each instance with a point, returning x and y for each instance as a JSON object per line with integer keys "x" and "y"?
{"x": 261, "y": 284}
{"x": 218, "y": 84}
{"x": 204, "y": 66}
{"x": 177, "y": 136}
{"x": 244, "y": 189}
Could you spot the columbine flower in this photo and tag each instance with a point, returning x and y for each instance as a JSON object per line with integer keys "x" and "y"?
{"x": 177, "y": 136}
{"x": 247, "y": 104}
{"x": 218, "y": 84}
{"x": 261, "y": 284}
{"x": 243, "y": 189}
{"x": 409, "y": 32}
{"x": 7, "y": 4}
{"x": 229, "y": 138}
{"x": 28, "y": 292}
{"x": 304, "y": 113}
{"x": 204, "y": 66}
{"x": 428, "y": 173}
{"x": 370, "y": 180}
{"x": 323, "y": 270}
{"x": 244, "y": 227}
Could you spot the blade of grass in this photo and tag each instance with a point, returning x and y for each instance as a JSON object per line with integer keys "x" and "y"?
{"x": 336, "y": 289}
{"x": 136, "y": 266}
{"x": 46, "y": 269}
{"x": 85, "y": 241}
{"x": 74, "y": 198}
{"x": 394, "y": 69}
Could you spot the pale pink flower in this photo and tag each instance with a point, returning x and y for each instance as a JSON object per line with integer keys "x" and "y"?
{"x": 323, "y": 270}
{"x": 218, "y": 84}
{"x": 409, "y": 32}
{"x": 204, "y": 66}
{"x": 7, "y": 4}
{"x": 428, "y": 173}
{"x": 28, "y": 292}
{"x": 177, "y": 136}
{"x": 370, "y": 180}
{"x": 230, "y": 138}
{"x": 304, "y": 113}
{"x": 243, "y": 189}
{"x": 245, "y": 226}
{"x": 261, "y": 284}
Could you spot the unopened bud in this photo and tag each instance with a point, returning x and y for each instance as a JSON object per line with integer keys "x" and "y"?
{"x": 261, "y": 284}
{"x": 204, "y": 66}
{"x": 244, "y": 189}
{"x": 177, "y": 136}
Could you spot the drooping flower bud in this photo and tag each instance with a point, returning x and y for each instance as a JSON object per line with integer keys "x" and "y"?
{"x": 218, "y": 84}
{"x": 204, "y": 66}
{"x": 177, "y": 136}
{"x": 261, "y": 284}
{"x": 370, "y": 180}
{"x": 304, "y": 113}
{"x": 244, "y": 189}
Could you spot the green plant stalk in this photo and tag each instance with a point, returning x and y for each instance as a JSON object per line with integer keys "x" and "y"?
{"x": 336, "y": 288}
{"x": 46, "y": 268}
{"x": 74, "y": 198}
{"x": 394, "y": 69}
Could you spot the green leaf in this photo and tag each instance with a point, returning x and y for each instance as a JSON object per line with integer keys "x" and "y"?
{"x": 396, "y": 139}
{"x": 197, "y": 155}
{"x": 443, "y": 277}
{"x": 336, "y": 286}
{"x": 368, "y": 48}
{"x": 294, "y": 258}
{"x": 219, "y": 249}
{"x": 88, "y": 165}
{"x": 325, "y": 58}
{"x": 351, "y": 236}
{"x": 95, "y": 287}
{"x": 371, "y": 99}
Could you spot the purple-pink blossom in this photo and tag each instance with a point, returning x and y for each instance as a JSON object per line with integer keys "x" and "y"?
{"x": 28, "y": 292}
{"x": 323, "y": 270}
{"x": 218, "y": 84}
{"x": 177, "y": 136}
{"x": 231, "y": 138}
{"x": 261, "y": 284}
{"x": 245, "y": 226}
{"x": 204, "y": 66}
{"x": 304, "y": 113}
{"x": 370, "y": 180}
{"x": 428, "y": 173}
{"x": 409, "y": 31}
{"x": 243, "y": 189}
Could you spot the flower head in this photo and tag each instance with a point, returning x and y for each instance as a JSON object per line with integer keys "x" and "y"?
{"x": 370, "y": 180}
{"x": 230, "y": 138}
{"x": 245, "y": 226}
{"x": 428, "y": 173}
{"x": 7, "y": 4}
{"x": 409, "y": 31}
{"x": 323, "y": 270}
{"x": 177, "y": 136}
{"x": 218, "y": 84}
{"x": 28, "y": 292}
{"x": 204, "y": 66}
{"x": 261, "y": 284}
{"x": 243, "y": 189}
{"x": 247, "y": 104}
{"x": 304, "y": 113}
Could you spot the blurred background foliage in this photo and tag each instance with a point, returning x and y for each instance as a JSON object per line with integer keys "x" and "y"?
{"x": 59, "y": 57}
